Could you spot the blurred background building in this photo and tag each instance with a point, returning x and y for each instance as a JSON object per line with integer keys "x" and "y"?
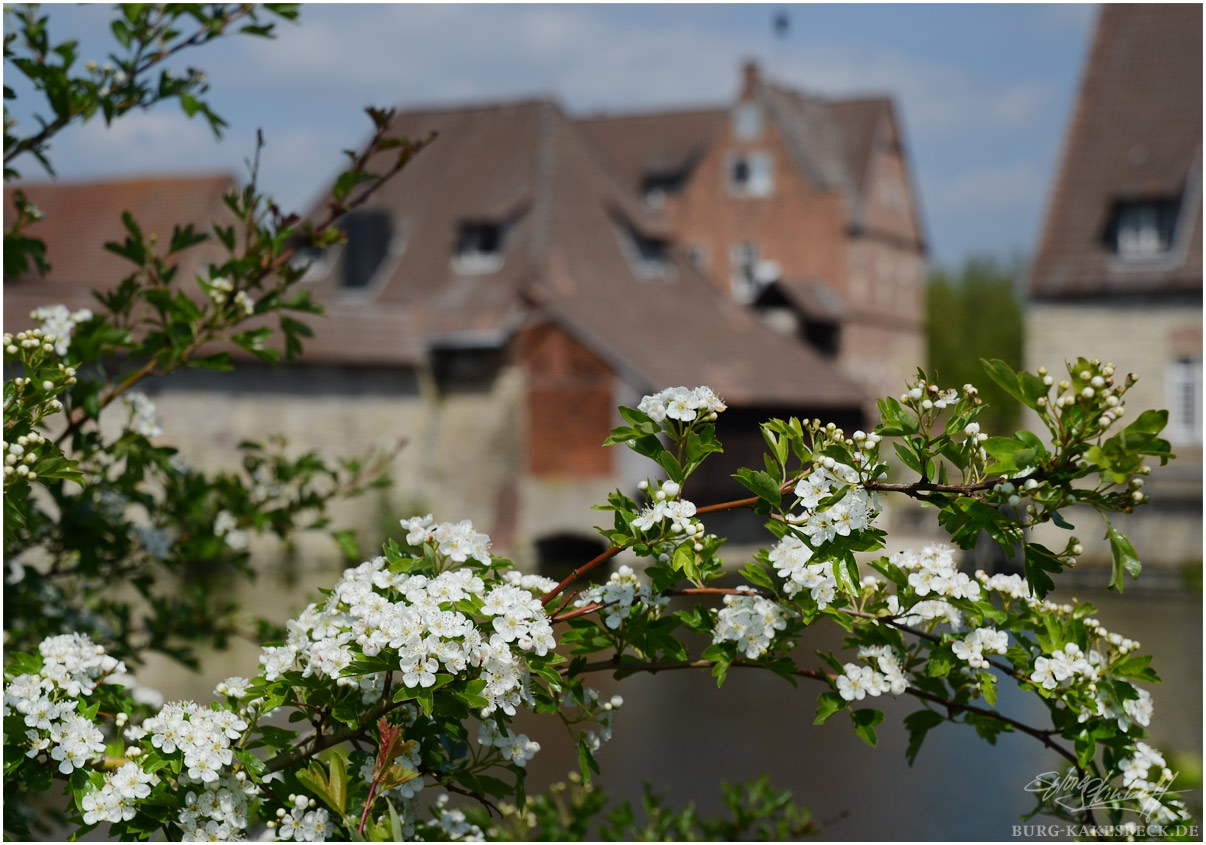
{"x": 1118, "y": 274}
{"x": 530, "y": 272}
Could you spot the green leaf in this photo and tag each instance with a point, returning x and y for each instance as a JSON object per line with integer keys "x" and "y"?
{"x": 828, "y": 703}
{"x": 761, "y": 483}
{"x": 1137, "y": 667}
{"x": 865, "y": 721}
{"x": 339, "y": 783}
{"x": 1039, "y": 561}
{"x": 1125, "y": 559}
{"x": 758, "y": 576}
{"x": 919, "y": 724}
{"x": 684, "y": 560}
{"x": 942, "y": 661}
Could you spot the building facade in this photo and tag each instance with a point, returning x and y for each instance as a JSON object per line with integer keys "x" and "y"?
{"x": 1118, "y": 275}
{"x": 530, "y": 271}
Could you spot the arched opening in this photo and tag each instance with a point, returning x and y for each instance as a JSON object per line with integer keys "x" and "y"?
{"x": 557, "y": 555}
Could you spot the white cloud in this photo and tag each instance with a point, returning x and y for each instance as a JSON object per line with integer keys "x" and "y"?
{"x": 156, "y": 140}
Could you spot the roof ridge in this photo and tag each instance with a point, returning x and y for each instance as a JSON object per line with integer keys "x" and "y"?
{"x": 650, "y": 112}
{"x": 164, "y": 176}
{"x": 476, "y": 105}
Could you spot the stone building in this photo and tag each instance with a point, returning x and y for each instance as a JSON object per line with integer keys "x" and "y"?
{"x": 529, "y": 272}
{"x": 1118, "y": 274}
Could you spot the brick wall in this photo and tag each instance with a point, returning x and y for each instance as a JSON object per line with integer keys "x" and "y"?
{"x": 568, "y": 404}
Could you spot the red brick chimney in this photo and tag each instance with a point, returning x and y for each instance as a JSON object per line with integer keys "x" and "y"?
{"x": 749, "y": 74}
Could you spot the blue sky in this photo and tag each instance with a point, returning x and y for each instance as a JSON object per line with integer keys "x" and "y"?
{"x": 985, "y": 91}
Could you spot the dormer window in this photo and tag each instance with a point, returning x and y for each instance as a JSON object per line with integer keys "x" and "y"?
{"x": 1143, "y": 228}
{"x": 655, "y": 187}
{"x": 750, "y": 174}
{"x": 648, "y": 256}
{"x": 312, "y": 262}
{"x": 479, "y": 248}
{"x": 369, "y": 240}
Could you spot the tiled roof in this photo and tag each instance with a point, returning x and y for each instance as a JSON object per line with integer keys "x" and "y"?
{"x": 813, "y": 136}
{"x": 655, "y": 142}
{"x": 79, "y": 217}
{"x": 857, "y": 121}
{"x": 1136, "y": 133}
{"x": 565, "y": 259}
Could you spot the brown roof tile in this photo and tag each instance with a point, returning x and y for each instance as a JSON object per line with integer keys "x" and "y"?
{"x": 655, "y": 142}
{"x": 1136, "y": 133}
{"x": 79, "y": 217}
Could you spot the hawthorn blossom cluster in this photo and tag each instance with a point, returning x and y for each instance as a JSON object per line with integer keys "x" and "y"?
{"x": 219, "y": 290}
{"x": 933, "y": 570}
{"x": 58, "y": 324}
{"x": 452, "y": 823}
{"x": 930, "y": 396}
{"x": 459, "y": 542}
{"x": 854, "y": 512}
{"x": 679, "y": 403}
{"x": 116, "y": 800}
{"x": 22, "y": 455}
{"x": 857, "y": 681}
{"x": 515, "y": 748}
{"x": 1094, "y": 388}
{"x": 791, "y": 557}
{"x": 594, "y": 707}
{"x": 972, "y": 647}
{"x": 143, "y": 419}
{"x": 300, "y": 822}
{"x": 621, "y": 595}
{"x": 751, "y": 621}
{"x": 72, "y": 668}
{"x": 225, "y": 526}
{"x": 1136, "y": 777}
{"x": 202, "y": 736}
{"x": 373, "y": 608}
{"x": 680, "y": 512}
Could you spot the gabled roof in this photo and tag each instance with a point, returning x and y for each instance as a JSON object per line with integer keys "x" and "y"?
{"x": 654, "y": 142}
{"x": 813, "y": 137}
{"x": 566, "y": 259}
{"x": 830, "y": 141}
{"x": 858, "y": 122}
{"x": 1136, "y": 133}
{"x": 80, "y": 217}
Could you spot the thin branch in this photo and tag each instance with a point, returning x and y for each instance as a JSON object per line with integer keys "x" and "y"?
{"x": 615, "y": 550}
{"x": 919, "y": 489}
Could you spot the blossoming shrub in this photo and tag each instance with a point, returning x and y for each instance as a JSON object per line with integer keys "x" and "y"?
{"x": 407, "y": 675}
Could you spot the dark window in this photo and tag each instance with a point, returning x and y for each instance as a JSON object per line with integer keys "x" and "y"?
{"x": 470, "y": 369}
{"x": 751, "y": 174}
{"x": 479, "y": 248}
{"x": 1143, "y": 228}
{"x": 557, "y": 555}
{"x": 369, "y": 233}
{"x": 649, "y": 257}
{"x": 741, "y": 173}
{"x": 655, "y": 187}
